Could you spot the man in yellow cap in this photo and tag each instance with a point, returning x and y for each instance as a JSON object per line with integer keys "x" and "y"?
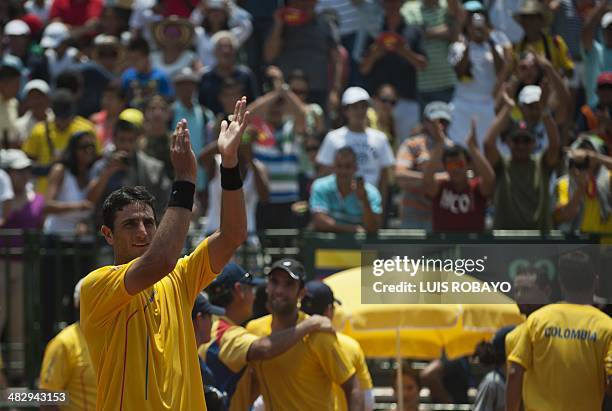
{"x": 124, "y": 164}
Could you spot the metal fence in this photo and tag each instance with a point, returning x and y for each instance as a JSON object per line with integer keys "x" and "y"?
{"x": 38, "y": 273}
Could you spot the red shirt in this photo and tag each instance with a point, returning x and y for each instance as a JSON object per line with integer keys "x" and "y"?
{"x": 179, "y": 7}
{"x": 76, "y": 12}
{"x": 459, "y": 211}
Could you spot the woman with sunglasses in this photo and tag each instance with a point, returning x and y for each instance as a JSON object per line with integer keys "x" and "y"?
{"x": 65, "y": 205}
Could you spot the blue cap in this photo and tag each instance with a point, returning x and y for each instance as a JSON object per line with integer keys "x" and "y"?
{"x": 499, "y": 339}
{"x": 317, "y": 297}
{"x": 203, "y": 305}
{"x": 233, "y": 273}
{"x": 473, "y": 6}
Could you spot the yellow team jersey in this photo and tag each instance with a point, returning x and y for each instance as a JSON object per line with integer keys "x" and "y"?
{"x": 226, "y": 356}
{"x": 302, "y": 377}
{"x": 67, "y": 367}
{"x": 143, "y": 346}
{"x": 37, "y": 145}
{"x": 355, "y": 354}
{"x": 563, "y": 347}
{"x": 591, "y": 215}
{"x": 554, "y": 49}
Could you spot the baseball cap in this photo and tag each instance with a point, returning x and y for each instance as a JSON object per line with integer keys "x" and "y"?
{"x": 36, "y": 84}
{"x": 186, "y": 74}
{"x": 294, "y": 268}
{"x": 54, "y": 34}
{"x": 132, "y": 116}
{"x": 530, "y": 94}
{"x": 317, "y": 297}
{"x": 14, "y": 159}
{"x": 233, "y": 273}
{"x": 203, "y": 305}
{"x": 216, "y": 4}
{"x": 473, "y": 6}
{"x": 438, "y": 110}
{"x": 606, "y": 20}
{"x": 354, "y": 95}
{"x": 105, "y": 40}
{"x": 16, "y": 28}
{"x": 604, "y": 78}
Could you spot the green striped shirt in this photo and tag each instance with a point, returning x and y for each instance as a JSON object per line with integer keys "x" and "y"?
{"x": 439, "y": 74}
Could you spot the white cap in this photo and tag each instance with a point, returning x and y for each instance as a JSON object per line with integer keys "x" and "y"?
{"x": 606, "y": 20}
{"x": 354, "y": 95}
{"x": 16, "y": 28}
{"x": 530, "y": 94}
{"x": 77, "y": 293}
{"x": 37, "y": 84}
{"x": 14, "y": 159}
{"x": 54, "y": 34}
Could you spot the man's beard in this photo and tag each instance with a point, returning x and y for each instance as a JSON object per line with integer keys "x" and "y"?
{"x": 283, "y": 308}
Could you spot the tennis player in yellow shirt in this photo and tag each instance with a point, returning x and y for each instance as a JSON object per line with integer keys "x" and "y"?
{"x": 303, "y": 377}
{"x": 67, "y": 367}
{"x": 233, "y": 348}
{"x": 136, "y": 314}
{"x": 563, "y": 346}
{"x": 319, "y": 300}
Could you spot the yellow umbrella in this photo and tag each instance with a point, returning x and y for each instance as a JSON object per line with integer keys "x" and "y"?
{"x": 416, "y": 330}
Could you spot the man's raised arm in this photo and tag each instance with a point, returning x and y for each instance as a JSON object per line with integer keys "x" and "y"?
{"x": 167, "y": 244}
{"x": 233, "y": 228}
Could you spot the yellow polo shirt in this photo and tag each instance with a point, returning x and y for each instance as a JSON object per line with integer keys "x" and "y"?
{"x": 302, "y": 378}
{"x": 67, "y": 367}
{"x": 355, "y": 354}
{"x": 37, "y": 146}
{"x": 563, "y": 347}
{"x": 143, "y": 346}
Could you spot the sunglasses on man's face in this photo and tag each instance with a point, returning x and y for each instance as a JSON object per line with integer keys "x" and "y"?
{"x": 455, "y": 165}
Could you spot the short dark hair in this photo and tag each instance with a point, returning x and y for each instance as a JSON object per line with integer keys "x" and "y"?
{"x": 139, "y": 44}
{"x": 8, "y": 72}
{"x": 408, "y": 370}
{"x": 344, "y": 151}
{"x": 69, "y": 79}
{"x": 123, "y": 197}
{"x": 576, "y": 271}
{"x": 542, "y": 278}
{"x": 297, "y": 74}
{"x": 115, "y": 88}
{"x": 454, "y": 151}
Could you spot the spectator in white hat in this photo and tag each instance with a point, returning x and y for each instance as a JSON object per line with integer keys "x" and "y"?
{"x": 60, "y": 55}
{"x": 594, "y": 52}
{"x": 532, "y": 109}
{"x": 19, "y": 37}
{"x": 374, "y": 153}
{"x": 37, "y": 105}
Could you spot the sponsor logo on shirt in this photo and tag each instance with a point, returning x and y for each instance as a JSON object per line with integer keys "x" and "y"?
{"x": 455, "y": 203}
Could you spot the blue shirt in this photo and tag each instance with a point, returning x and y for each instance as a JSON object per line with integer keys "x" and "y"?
{"x": 200, "y": 122}
{"x": 325, "y": 198}
{"x": 140, "y": 85}
{"x": 596, "y": 61}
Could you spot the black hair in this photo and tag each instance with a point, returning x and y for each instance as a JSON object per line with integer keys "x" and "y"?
{"x": 139, "y": 44}
{"x": 8, "y": 72}
{"x": 123, "y": 125}
{"x": 123, "y": 197}
{"x": 576, "y": 271}
{"x": 297, "y": 74}
{"x": 454, "y": 151}
{"x": 542, "y": 277}
{"x": 71, "y": 80}
{"x": 346, "y": 150}
{"x": 69, "y": 156}
{"x": 487, "y": 354}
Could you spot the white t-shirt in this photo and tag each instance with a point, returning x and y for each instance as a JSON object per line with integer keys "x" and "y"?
{"x": 482, "y": 68}
{"x": 6, "y": 189}
{"x": 372, "y": 148}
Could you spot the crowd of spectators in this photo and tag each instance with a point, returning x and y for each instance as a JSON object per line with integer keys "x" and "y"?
{"x": 460, "y": 117}
{"x": 441, "y": 115}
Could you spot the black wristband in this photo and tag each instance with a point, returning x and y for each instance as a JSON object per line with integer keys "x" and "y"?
{"x": 230, "y": 178}
{"x": 182, "y": 195}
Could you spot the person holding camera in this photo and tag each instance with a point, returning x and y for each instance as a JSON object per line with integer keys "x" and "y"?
{"x": 125, "y": 165}
{"x": 583, "y": 195}
{"x": 343, "y": 202}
